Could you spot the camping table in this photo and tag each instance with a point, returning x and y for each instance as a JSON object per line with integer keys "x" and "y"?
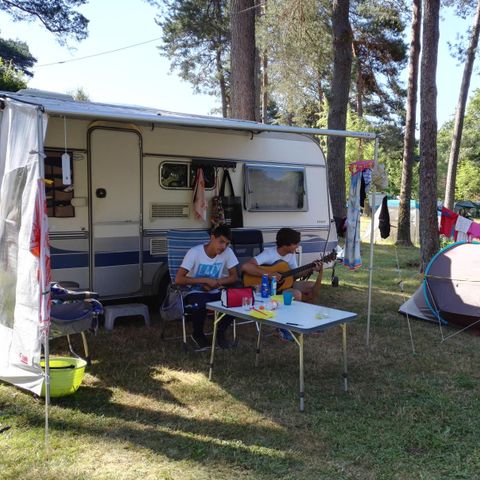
{"x": 299, "y": 319}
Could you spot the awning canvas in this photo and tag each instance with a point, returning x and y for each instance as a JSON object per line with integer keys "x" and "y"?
{"x": 24, "y": 269}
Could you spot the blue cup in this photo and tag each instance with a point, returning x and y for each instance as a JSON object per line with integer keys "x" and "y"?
{"x": 287, "y": 298}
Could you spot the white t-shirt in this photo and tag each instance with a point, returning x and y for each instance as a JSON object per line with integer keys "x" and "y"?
{"x": 270, "y": 255}
{"x": 199, "y": 264}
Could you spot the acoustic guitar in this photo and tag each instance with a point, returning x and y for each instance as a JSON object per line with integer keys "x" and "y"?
{"x": 288, "y": 276}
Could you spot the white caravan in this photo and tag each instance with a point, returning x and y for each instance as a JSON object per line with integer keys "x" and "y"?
{"x": 132, "y": 172}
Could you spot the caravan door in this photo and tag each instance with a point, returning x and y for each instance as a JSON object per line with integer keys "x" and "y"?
{"x": 115, "y": 160}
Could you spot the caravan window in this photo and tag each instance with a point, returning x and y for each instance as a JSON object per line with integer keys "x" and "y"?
{"x": 181, "y": 175}
{"x": 59, "y": 196}
{"x": 278, "y": 188}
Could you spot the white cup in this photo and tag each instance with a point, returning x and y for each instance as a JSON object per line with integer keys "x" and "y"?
{"x": 247, "y": 303}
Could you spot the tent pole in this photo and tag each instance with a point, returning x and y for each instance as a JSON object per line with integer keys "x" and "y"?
{"x": 370, "y": 264}
{"x": 45, "y": 327}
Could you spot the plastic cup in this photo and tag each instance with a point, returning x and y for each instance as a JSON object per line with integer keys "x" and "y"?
{"x": 247, "y": 303}
{"x": 287, "y": 298}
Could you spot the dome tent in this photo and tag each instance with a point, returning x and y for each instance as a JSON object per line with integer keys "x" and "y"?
{"x": 450, "y": 291}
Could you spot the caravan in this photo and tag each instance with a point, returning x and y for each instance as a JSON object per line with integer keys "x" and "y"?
{"x": 132, "y": 170}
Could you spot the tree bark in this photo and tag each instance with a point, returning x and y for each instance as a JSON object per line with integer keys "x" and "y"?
{"x": 338, "y": 103}
{"x": 429, "y": 243}
{"x": 243, "y": 59}
{"x": 403, "y": 233}
{"x": 221, "y": 81}
{"x": 460, "y": 113}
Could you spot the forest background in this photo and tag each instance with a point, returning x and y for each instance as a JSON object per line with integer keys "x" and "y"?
{"x": 292, "y": 53}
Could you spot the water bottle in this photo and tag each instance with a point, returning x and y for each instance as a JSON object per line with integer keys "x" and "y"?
{"x": 273, "y": 287}
{"x": 265, "y": 287}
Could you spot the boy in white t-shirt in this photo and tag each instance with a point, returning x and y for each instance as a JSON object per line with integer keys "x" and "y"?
{"x": 205, "y": 268}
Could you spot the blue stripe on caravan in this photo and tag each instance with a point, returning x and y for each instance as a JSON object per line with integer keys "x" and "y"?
{"x": 111, "y": 259}
{"x": 69, "y": 260}
{"x": 72, "y": 259}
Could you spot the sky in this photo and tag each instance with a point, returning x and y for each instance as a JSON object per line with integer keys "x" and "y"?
{"x": 141, "y": 76}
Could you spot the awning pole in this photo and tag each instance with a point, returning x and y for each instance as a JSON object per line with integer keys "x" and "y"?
{"x": 370, "y": 264}
{"x": 45, "y": 327}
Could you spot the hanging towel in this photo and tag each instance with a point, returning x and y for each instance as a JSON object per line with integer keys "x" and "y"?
{"x": 199, "y": 200}
{"x": 474, "y": 230}
{"x": 461, "y": 227}
{"x": 447, "y": 222}
{"x": 352, "y": 257}
{"x": 384, "y": 219}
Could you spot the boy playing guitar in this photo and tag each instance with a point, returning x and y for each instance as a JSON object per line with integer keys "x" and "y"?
{"x": 287, "y": 241}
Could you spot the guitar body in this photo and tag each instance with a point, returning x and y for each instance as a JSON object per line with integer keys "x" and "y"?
{"x": 278, "y": 267}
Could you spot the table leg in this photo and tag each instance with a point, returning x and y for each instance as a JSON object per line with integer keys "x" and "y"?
{"x": 216, "y": 319}
{"x": 302, "y": 381}
{"x": 257, "y": 353}
{"x": 344, "y": 342}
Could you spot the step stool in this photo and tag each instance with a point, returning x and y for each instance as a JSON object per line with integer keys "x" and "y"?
{"x": 112, "y": 312}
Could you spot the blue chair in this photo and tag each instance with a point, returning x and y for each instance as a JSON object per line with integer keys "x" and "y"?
{"x": 178, "y": 244}
{"x": 246, "y": 244}
{"x": 73, "y": 311}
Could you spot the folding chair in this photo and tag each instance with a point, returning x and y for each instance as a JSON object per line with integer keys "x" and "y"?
{"x": 73, "y": 311}
{"x": 246, "y": 244}
{"x": 178, "y": 244}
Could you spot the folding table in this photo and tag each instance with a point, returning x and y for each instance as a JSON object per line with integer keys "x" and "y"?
{"x": 299, "y": 319}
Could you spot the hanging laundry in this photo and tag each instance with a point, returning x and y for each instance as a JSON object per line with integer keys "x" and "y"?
{"x": 367, "y": 177}
{"x": 474, "y": 230}
{"x": 365, "y": 187}
{"x": 352, "y": 257}
{"x": 384, "y": 219}
{"x": 363, "y": 192}
{"x": 199, "y": 200}
{"x": 447, "y": 222}
{"x": 462, "y": 226}
{"x": 379, "y": 177}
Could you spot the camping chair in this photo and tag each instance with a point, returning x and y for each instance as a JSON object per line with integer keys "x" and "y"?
{"x": 178, "y": 244}
{"x": 73, "y": 311}
{"x": 246, "y": 244}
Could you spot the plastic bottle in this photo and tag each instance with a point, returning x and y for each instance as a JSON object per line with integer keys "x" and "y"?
{"x": 273, "y": 287}
{"x": 265, "y": 287}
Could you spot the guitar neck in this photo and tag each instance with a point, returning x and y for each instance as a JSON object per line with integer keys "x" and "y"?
{"x": 300, "y": 271}
{"x": 308, "y": 268}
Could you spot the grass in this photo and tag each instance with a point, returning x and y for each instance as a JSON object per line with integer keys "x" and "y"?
{"x": 147, "y": 410}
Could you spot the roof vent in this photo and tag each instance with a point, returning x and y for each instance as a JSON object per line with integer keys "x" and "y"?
{"x": 35, "y": 92}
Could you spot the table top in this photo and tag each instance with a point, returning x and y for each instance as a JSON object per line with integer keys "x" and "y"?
{"x": 298, "y": 317}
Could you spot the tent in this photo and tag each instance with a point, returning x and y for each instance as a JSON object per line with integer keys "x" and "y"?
{"x": 393, "y": 209}
{"x": 450, "y": 291}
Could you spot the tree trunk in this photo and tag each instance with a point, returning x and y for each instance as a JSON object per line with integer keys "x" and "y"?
{"x": 221, "y": 80}
{"x": 243, "y": 59}
{"x": 460, "y": 113}
{"x": 338, "y": 103}
{"x": 403, "y": 233}
{"x": 265, "y": 89}
{"x": 429, "y": 243}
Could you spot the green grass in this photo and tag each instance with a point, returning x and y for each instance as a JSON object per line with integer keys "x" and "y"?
{"x": 147, "y": 410}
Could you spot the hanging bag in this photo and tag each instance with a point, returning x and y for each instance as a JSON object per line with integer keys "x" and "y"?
{"x": 172, "y": 306}
{"x": 232, "y": 205}
{"x": 217, "y": 216}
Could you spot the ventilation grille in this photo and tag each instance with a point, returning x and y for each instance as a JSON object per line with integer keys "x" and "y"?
{"x": 158, "y": 247}
{"x": 162, "y": 210}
